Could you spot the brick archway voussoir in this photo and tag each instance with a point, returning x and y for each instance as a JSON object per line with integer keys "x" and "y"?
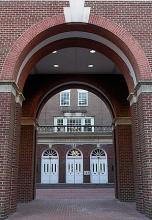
{"x": 118, "y": 35}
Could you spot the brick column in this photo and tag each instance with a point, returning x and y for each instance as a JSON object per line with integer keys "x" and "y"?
{"x": 27, "y": 156}
{"x": 141, "y": 102}
{"x": 15, "y": 154}
{"x": 7, "y": 113}
{"x": 137, "y": 153}
{"x": 124, "y": 159}
{"x": 144, "y": 105}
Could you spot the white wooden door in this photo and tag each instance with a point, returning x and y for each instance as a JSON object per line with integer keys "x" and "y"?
{"x": 98, "y": 167}
{"x": 74, "y": 168}
{"x": 50, "y": 167}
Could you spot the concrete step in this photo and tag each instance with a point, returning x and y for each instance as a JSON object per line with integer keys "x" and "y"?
{"x": 73, "y": 186}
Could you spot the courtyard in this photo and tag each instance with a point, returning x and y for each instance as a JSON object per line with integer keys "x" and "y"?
{"x": 76, "y": 204}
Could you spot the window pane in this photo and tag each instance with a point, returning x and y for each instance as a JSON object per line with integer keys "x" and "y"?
{"x": 82, "y": 98}
{"x": 65, "y": 98}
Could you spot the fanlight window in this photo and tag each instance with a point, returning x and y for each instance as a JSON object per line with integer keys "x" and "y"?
{"x": 98, "y": 153}
{"x": 50, "y": 153}
{"x": 74, "y": 153}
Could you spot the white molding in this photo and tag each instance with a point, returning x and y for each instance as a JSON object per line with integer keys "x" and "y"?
{"x": 77, "y": 12}
{"x": 141, "y": 87}
{"x": 80, "y": 34}
{"x": 19, "y": 98}
{"x": 122, "y": 121}
{"x": 73, "y": 141}
{"x": 11, "y": 87}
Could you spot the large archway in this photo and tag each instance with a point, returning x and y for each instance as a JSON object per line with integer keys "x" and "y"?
{"x": 105, "y": 37}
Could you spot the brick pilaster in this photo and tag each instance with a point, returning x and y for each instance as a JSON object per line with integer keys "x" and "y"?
{"x": 124, "y": 163}
{"x": 145, "y": 138}
{"x": 137, "y": 152}
{"x": 7, "y": 113}
{"x": 27, "y": 163}
{"x": 15, "y": 155}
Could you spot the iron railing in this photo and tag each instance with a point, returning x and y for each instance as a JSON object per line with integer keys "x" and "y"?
{"x": 74, "y": 129}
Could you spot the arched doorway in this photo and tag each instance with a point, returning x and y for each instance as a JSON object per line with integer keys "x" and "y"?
{"x": 50, "y": 166}
{"x": 18, "y": 65}
{"x": 74, "y": 166}
{"x": 98, "y": 166}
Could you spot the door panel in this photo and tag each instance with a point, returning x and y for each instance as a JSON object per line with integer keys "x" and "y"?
{"x": 99, "y": 172}
{"x": 74, "y": 170}
{"x": 49, "y": 170}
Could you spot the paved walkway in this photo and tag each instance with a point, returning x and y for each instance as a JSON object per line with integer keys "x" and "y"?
{"x": 76, "y": 204}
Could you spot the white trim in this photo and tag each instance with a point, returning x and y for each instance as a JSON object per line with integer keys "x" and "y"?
{"x": 65, "y": 91}
{"x": 11, "y": 87}
{"x": 85, "y": 92}
{"x": 77, "y": 12}
{"x": 85, "y": 35}
{"x": 19, "y": 98}
{"x": 72, "y": 141}
{"x": 141, "y": 87}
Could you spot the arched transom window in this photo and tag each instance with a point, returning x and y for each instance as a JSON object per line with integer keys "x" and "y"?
{"x": 74, "y": 153}
{"x": 50, "y": 153}
{"x": 98, "y": 153}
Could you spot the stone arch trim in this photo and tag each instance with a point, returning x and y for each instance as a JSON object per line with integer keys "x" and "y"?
{"x": 97, "y": 24}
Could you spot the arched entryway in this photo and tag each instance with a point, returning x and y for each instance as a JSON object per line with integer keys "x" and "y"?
{"x": 118, "y": 45}
{"x": 98, "y": 166}
{"x": 50, "y": 167}
{"x": 74, "y": 166}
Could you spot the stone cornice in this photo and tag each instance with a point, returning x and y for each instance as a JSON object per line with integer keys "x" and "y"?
{"x": 141, "y": 87}
{"x": 11, "y": 87}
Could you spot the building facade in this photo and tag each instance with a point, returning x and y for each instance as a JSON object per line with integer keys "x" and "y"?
{"x": 120, "y": 72}
{"x": 90, "y": 159}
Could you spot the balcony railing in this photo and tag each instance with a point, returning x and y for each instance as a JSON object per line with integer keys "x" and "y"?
{"x": 74, "y": 129}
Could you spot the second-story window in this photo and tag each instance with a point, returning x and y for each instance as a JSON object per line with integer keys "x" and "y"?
{"x": 82, "y": 98}
{"x": 65, "y": 98}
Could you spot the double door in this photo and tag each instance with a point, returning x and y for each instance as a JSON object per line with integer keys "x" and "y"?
{"x": 50, "y": 167}
{"x": 74, "y": 170}
{"x": 98, "y": 167}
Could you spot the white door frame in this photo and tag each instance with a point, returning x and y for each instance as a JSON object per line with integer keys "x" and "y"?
{"x": 51, "y": 156}
{"x": 74, "y": 165}
{"x": 98, "y": 166}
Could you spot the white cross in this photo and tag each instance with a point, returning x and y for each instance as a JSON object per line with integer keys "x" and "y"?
{"x": 77, "y": 12}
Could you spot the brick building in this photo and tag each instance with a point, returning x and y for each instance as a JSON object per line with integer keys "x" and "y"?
{"x": 119, "y": 73}
{"x": 71, "y": 121}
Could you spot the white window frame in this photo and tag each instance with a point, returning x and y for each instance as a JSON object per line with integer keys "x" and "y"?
{"x": 61, "y": 93}
{"x": 65, "y": 119}
{"x": 85, "y": 92}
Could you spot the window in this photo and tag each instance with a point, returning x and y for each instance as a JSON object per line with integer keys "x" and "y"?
{"x": 82, "y": 98}
{"x": 74, "y": 124}
{"x": 65, "y": 98}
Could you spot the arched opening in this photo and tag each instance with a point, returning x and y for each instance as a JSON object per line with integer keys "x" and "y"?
{"x": 98, "y": 166}
{"x": 74, "y": 166}
{"x": 75, "y": 118}
{"x": 50, "y": 167}
{"x": 125, "y": 68}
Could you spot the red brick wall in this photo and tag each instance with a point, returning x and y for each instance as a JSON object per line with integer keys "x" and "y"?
{"x": 137, "y": 157}
{"x": 16, "y": 17}
{"x": 7, "y": 107}
{"x": 145, "y": 140}
{"x": 86, "y": 149}
{"x": 124, "y": 163}
{"x": 15, "y": 157}
{"x": 26, "y": 178}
